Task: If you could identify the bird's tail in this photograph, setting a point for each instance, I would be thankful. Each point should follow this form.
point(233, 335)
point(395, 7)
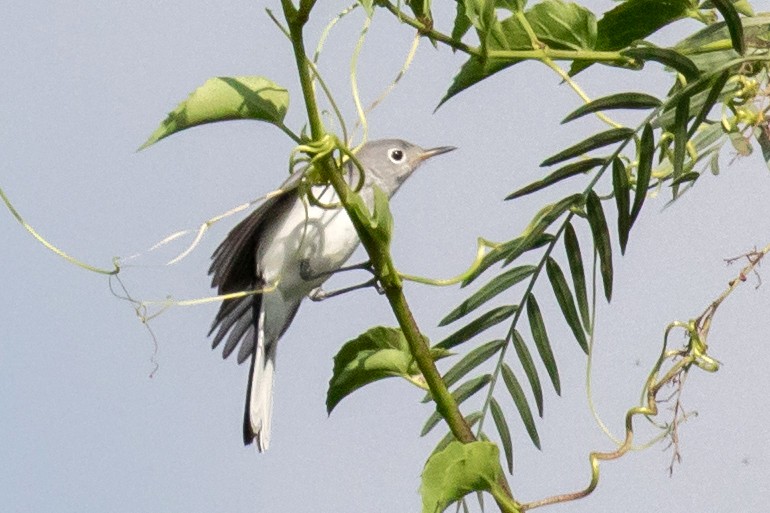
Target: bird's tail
point(259, 394)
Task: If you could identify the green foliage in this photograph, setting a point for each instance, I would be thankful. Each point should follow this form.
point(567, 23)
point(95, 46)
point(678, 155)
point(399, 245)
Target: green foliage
point(226, 98)
point(718, 94)
point(457, 470)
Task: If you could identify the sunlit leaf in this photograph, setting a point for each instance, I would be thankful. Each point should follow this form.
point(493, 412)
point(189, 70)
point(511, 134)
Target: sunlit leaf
point(634, 101)
point(502, 429)
point(540, 336)
point(482, 323)
point(525, 358)
point(379, 353)
point(226, 98)
point(495, 286)
point(622, 191)
point(576, 168)
point(517, 394)
point(601, 235)
point(566, 303)
point(634, 20)
point(595, 141)
point(459, 469)
point(462, 393)
point(575, 259)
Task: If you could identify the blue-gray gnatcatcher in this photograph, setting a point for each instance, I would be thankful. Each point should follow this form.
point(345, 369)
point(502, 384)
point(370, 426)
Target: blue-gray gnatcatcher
point(289, 247)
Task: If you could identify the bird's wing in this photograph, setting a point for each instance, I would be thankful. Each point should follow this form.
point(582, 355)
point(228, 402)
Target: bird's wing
point(234, 269)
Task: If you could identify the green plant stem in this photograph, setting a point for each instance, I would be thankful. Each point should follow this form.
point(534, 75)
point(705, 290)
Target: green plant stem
point(378, 252)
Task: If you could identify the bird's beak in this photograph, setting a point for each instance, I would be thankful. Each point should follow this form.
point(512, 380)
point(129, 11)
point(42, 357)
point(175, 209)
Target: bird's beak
point(426, 154)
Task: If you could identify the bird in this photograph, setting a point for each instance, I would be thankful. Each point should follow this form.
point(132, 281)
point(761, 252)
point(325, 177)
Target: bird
point(282, 252)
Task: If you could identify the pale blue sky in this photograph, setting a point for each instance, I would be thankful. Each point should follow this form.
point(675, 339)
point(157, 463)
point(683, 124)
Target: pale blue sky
point(84, 429)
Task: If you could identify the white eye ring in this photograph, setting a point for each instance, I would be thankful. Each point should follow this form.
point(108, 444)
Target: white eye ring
point(396, 155)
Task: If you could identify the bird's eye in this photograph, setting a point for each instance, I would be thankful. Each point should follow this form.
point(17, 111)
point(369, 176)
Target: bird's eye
point(396, 156)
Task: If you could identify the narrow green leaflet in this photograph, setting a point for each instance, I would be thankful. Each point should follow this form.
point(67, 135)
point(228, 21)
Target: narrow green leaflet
point(379, 353)
point(709, 102)
point(755, 35)
point(528, 364)
point(539, 223)
point(566, 303)
point(667, 57)
point(575, 259)
point(517, 247)
point(225, 98)
point(733, 21)
point(537, 326)
point(595, 141)
point(680, 139)
point(459, 469)
point(462, 393)
point(636, 101)
point(484, 322)
point(495, 286)
point(644, 171)
point(622, 190)
point(502, 429)
point(763, 138)
point(574, 169)
point(601, 235)
point(517, 394)
point(472, 360)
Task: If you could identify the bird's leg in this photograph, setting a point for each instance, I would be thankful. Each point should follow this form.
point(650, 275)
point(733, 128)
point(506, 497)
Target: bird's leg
point(307, 274)
point(319, 294)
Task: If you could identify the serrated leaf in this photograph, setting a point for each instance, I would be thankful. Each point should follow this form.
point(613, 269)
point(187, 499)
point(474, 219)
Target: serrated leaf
point(635, 101)
point(644, 171)
point(601, 235)
point(525, 358)
point(517, 394)
point(459, 469)
point(378, 353)
point(502, 429)
point(472, 360)
point(622, 191)
point(733, 21)
point(576, 168)
point(382, 219)
point(462, 22)
point(595, 141)
point(494, 287)
point(462, 393)
point(482, 323)
point(667, 57)
point(540, 336)
point(226, 98)
point(577, 271)
point(563, 25)
point(566, 303)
